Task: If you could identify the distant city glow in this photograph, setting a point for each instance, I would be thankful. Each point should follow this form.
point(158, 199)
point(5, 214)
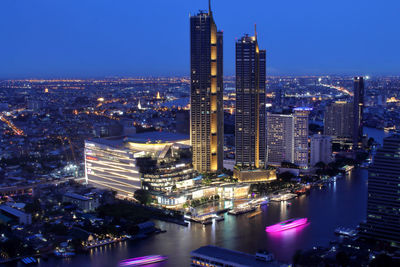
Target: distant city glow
point(341, 89)
point(303, 109)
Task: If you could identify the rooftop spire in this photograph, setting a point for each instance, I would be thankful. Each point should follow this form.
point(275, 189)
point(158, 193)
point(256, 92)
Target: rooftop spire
point(255, 30)
point(209, 7)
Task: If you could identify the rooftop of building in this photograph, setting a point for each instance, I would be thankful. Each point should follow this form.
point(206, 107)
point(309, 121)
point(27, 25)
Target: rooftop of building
point(231, 256)
point(77, 196)
point(157, 137)
point(246, 38)
point(12, 211)
point(145, 138)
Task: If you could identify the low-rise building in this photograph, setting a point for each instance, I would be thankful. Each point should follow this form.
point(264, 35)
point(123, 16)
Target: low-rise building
point(84, 203)
point(233, 191)
point(254, 176)
point(22, 217)
point(224, 191)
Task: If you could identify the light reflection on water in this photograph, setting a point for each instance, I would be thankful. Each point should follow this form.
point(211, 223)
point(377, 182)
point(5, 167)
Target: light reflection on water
point(287, 236)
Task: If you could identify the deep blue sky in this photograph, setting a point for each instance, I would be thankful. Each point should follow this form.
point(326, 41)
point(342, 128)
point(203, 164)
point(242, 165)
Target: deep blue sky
point(93, 38)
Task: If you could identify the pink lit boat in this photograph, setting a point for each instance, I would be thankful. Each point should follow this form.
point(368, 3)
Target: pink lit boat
point(285, 225)
point(142, 260)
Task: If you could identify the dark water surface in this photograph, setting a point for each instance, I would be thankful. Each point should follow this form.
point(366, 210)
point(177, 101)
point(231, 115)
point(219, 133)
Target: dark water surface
point(342, 203)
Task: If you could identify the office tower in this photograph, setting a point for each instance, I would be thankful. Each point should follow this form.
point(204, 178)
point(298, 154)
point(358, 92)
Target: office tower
point(338, 120)
point(383, 208)
point(320, 149)
point(287, 138)
point(358, 106)
point(250, 103)
point(206, 101)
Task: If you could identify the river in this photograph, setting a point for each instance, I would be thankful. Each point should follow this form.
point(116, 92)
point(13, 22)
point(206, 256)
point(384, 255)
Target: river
point(342, 203)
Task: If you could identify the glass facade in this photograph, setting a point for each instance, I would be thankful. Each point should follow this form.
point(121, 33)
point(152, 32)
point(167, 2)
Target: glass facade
point(383, 208)
point(111, 167)
point(128, 164)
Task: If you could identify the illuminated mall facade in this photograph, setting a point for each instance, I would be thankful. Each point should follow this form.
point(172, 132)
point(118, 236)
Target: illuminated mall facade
point(152, 160)
point(157, 161)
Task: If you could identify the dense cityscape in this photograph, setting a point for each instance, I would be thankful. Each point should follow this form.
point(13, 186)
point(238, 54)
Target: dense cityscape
point(201, 170)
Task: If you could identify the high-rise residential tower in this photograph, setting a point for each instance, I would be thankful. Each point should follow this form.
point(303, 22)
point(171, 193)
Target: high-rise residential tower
point(300, 136)
point(338, 120)
point(287, 138)
point(320, 149)
point(206, 97)
point(358, 107)
point(383, 207)
point(250, 139)
point(279, 138)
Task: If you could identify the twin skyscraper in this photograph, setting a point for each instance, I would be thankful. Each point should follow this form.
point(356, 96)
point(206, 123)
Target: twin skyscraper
point(206, 99)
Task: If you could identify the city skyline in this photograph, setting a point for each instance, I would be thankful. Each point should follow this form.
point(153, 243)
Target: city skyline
point(86, 40)
point(213, 170)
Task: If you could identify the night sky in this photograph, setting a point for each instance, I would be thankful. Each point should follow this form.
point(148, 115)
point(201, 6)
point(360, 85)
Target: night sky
point(96, 38)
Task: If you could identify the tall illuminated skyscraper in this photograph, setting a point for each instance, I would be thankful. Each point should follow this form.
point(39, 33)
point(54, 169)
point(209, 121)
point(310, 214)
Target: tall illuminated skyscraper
point(358, 110)
point(250, 103)
point(206, 97)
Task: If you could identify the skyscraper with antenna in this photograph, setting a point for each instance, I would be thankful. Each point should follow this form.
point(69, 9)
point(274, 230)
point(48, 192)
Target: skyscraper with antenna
point(206, 92)
point(250, 103)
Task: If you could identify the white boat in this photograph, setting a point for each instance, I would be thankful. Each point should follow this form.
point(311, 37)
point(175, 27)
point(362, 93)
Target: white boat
point(241, 210)
point(283, 197)
point(346, 232)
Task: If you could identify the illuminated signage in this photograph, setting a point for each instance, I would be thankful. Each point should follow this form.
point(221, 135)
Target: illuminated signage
point(91, 158)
